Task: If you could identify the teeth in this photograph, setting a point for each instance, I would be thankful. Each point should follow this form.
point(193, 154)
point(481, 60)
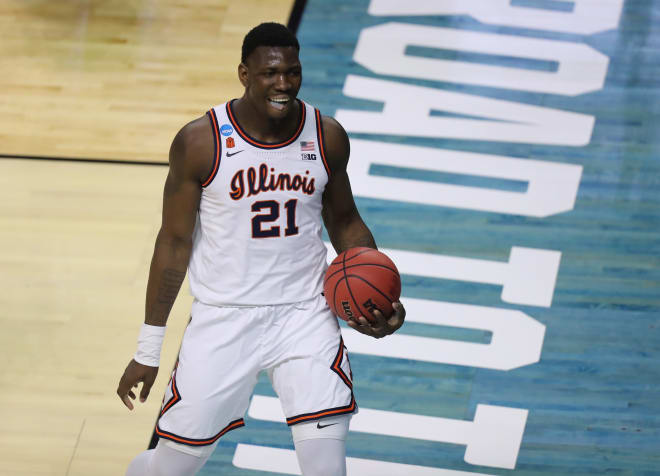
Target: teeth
point(279, 100)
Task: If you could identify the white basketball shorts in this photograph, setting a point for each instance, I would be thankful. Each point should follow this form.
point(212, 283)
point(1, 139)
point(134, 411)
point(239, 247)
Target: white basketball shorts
point(225, 348)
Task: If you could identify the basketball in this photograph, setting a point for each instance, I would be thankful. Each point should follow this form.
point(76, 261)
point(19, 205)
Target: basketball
point(359, 281)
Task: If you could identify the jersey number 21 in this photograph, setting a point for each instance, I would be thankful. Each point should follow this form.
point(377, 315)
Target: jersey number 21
point(271, 212)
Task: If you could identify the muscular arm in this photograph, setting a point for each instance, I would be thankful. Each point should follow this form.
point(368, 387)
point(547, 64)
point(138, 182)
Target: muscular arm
point(190, 159)
point(191, 156)
point(340, 215)
point(345, 226)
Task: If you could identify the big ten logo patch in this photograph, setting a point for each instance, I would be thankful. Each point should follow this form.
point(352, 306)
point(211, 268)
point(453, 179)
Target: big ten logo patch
point(308, 156)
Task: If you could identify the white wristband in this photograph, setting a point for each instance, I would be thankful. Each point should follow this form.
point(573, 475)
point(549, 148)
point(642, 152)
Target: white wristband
point(150, 342)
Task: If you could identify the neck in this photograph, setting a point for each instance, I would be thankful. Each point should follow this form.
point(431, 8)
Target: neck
point(262, 127)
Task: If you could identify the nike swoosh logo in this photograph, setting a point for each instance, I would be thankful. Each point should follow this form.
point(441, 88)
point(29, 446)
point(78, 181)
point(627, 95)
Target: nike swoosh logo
point(229, 154)
point(319, 426)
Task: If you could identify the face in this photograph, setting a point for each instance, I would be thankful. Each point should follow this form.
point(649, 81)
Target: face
point(272, 76)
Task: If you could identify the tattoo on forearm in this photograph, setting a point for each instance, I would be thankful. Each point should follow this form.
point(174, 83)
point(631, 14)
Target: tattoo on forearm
point(170, 282)
point(169, 285)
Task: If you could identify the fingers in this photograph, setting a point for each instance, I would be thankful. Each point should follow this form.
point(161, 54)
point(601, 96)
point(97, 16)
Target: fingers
point(127, 395)
point(124, 396)
point(123, 390)
point(396, 319)
point(146, 387)
point(362, 329)
point(363, 326)
point(378, 319)
point(133, 375)
point(372, 329)
point(380, 326)
point(127, 402)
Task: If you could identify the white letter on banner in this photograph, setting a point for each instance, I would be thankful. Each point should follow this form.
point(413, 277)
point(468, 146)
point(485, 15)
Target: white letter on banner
point(264, 458)
point(492, 439)
point(551, 187)
point(586, 17)
point(381, 49)
point(517, 339)
point(528, 278)
point(407, 109)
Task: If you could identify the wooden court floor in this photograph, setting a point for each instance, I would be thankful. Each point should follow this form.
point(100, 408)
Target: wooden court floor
point(103, 80)
point(115, 80)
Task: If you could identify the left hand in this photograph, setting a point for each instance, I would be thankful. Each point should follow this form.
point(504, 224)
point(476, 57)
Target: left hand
point(380, 326)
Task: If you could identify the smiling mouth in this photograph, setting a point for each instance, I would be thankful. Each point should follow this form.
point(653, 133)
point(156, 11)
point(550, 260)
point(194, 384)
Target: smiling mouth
point(279, 103)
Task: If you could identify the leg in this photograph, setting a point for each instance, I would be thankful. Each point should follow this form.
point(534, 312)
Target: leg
point(210, 388)
point(321, 446)
point(313, 379)
point(322, 457)
point(164, 460)
point(310, 372)
point(140, 464)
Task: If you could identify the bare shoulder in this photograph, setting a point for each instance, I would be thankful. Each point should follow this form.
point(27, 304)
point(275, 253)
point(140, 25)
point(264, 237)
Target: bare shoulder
point(337, 145)
point(191, 152)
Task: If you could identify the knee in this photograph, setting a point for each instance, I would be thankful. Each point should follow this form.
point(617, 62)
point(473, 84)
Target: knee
point(167, 461)
point(322, 457)
point(140, 464)
point(328, 468)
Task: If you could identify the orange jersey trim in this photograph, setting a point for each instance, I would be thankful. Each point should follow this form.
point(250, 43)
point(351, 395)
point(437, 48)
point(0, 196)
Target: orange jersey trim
point(319, 135)
point(350, 408)
point(176, 397)
point(337, 362)
point(201, 442)
point(264, 145)
point(216, 149)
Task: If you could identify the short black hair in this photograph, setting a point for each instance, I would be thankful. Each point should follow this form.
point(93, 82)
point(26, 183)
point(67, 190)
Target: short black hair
point(267, 34)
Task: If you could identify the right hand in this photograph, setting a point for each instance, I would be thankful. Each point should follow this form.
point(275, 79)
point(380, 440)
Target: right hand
point(134, 374)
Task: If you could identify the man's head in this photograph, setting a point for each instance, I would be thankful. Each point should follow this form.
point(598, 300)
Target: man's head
point(270, 69)
point(267, 34)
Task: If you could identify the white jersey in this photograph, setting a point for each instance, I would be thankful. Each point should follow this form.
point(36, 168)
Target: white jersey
point(257, 240)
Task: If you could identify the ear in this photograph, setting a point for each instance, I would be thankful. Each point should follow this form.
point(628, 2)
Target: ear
point(243, 74)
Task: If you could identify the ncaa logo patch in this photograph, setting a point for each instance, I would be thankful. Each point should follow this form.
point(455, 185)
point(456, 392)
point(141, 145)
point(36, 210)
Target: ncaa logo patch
point(226, 130)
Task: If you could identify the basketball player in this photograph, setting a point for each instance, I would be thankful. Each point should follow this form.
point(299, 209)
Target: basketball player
point(247, 188)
